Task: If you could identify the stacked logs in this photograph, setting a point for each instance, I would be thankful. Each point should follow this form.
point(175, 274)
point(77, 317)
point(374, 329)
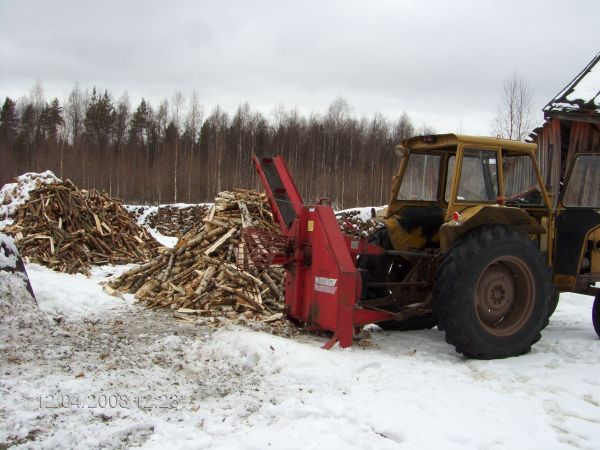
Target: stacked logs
point(69, 230)
point(175, 221)
point(351, 223)
point(207, 277)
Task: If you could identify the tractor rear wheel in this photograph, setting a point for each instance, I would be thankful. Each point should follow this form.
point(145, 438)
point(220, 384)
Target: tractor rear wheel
point(552, 307)
point(596, 314)
point(493, 293)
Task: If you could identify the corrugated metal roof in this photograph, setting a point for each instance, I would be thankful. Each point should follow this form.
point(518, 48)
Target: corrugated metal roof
point(582, 95)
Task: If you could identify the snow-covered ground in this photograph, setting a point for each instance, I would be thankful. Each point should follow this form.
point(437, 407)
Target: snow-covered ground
point(94, 371)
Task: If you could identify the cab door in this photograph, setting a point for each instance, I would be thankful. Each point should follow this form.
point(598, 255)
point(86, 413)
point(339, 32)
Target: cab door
point(577, 243)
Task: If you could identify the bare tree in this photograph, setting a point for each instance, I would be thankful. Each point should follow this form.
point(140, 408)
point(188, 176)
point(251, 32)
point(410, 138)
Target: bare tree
point(36, 97)
point(514, 118)
point(162, 119)
point(75, 113)
point(122, 119)
point(425, 130)
point(403, 128)
point(176, 113)
point(193, 124)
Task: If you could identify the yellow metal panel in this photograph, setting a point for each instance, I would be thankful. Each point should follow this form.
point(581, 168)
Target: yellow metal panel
point(483, 215)
point(402, 239)
point(564, 282)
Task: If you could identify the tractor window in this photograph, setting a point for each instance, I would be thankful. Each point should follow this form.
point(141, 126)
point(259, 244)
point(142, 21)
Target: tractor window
point(479, 176)
point(420, 182)
point(583, 186)
point(449, 175)
point(521, 187)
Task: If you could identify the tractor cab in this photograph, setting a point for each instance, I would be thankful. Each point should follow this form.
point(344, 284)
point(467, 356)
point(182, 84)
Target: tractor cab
point(449, 184)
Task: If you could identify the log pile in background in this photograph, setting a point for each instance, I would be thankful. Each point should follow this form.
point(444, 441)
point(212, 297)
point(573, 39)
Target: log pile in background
point(69, 230)
point(13, 195)
point(175, 221)
point(206, 278)
point(351, 223)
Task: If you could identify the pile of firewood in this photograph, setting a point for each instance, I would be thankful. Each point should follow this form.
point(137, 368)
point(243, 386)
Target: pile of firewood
point(208, 277)
point(174, 221)
point(13, 195)
point(351, 223)
point(69, 230)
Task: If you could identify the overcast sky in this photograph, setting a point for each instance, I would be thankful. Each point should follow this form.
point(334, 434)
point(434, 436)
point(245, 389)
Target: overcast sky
point(443, 62)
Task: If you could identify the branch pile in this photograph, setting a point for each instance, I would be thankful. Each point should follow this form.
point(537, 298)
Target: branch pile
point(207, 276)
point(174, 221)
point(69, 230)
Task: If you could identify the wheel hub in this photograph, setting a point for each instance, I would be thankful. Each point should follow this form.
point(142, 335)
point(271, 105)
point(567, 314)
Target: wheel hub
point(496, 292)
point(504, 296)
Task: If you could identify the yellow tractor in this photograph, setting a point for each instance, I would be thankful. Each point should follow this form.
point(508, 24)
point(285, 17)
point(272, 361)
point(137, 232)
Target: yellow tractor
point(475, 246)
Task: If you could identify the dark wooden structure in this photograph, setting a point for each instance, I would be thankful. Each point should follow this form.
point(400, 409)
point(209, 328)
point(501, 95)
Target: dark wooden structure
point(572, 125)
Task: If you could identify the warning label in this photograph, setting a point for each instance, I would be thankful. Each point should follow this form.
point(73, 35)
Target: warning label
point(326, 285)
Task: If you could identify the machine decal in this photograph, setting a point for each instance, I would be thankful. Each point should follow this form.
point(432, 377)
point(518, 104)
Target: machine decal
point(326, 285)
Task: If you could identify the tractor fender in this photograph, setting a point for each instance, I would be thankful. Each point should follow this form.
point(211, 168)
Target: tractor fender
point(477, 216)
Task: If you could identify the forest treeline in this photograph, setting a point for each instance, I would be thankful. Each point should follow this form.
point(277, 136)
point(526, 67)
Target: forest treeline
point(175, 153)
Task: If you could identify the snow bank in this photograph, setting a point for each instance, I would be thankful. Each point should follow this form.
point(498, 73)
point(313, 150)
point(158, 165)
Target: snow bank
point(19, 312)
point(13, 195)
point(8, 252)
point(74, 295)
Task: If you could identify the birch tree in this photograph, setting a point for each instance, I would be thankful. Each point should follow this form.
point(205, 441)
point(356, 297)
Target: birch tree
point(514, 118)
point(176, 112)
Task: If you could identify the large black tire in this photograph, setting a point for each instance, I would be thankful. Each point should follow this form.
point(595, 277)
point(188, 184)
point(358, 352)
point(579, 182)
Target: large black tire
point(378, 270)
point(493, 293)
point(552, 307)
point(596, 314)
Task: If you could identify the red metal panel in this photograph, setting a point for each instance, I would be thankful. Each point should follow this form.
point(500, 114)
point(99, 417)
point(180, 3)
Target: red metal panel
point(280, 188)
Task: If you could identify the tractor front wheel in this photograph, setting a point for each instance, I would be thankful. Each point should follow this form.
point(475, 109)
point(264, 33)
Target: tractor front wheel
point(493, 293)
